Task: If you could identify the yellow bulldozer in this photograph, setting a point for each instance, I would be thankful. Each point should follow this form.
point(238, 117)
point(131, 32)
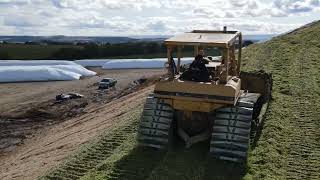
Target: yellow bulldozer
point(212, 101)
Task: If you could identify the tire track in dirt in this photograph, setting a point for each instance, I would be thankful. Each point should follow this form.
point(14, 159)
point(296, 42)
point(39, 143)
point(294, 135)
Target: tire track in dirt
point(41, 153)
point(304, 148)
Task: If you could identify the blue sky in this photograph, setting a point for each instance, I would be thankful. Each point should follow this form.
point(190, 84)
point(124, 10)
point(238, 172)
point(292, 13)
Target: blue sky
point(152, 17)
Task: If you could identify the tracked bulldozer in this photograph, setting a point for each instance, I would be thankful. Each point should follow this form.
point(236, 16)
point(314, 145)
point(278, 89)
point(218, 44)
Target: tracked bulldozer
point(224, 108)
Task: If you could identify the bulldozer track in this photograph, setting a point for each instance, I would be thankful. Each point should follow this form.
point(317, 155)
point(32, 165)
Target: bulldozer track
point(156, 124)
point(89, 158)
point(231, 131)
point(304, 148)
point(232, 128)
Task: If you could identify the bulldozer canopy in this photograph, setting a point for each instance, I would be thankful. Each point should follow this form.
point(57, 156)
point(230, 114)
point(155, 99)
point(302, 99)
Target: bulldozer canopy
point(204, 38)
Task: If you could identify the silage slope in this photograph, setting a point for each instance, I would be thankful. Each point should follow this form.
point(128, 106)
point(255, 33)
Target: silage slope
point(289, 146)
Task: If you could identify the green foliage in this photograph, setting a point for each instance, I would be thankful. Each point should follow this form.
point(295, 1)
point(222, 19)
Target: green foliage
point(88, 51)
point(91, 51)
point(4, 55)
point(27, 52)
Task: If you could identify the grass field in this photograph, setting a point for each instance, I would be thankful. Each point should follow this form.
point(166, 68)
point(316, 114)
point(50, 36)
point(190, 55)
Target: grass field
point(288, 148)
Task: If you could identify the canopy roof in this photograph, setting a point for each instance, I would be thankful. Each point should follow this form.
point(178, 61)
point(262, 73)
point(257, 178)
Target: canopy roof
point(204, 38)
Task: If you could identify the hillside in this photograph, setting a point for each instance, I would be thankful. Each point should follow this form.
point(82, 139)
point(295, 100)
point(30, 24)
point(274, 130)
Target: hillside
point(289, 147)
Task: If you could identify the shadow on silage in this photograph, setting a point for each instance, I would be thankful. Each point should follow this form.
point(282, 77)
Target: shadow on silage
point(137, 165)
point(217, 169)
point(177, 163)
point(256, 131)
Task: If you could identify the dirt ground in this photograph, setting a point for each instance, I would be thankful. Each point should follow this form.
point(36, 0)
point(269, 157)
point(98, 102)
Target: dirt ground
point(37, 133)
point(17, 95)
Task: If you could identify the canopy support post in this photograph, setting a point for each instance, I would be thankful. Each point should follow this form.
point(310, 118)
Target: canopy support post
point(170, 69)
point(179, 58)
point(239, 54)
point(196, 50)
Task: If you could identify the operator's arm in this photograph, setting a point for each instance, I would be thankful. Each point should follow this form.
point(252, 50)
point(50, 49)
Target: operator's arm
point(206, 60)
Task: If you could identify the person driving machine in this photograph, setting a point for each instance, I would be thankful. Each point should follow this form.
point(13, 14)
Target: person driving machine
point(198, 71)
point(201, 58)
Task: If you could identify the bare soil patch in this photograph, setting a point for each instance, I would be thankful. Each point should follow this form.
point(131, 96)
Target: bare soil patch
point(29, 110)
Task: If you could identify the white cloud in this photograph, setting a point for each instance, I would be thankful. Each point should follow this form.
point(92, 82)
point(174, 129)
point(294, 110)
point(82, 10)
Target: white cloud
point(252, 8)
point(138, 17)
point(13, 2)
point(296, 6)
point(158, 26)
point(25, 20)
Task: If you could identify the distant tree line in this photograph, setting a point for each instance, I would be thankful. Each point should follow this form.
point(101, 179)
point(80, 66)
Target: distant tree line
point(110, 50)
point(247, 43)
point(96, 51)
point(4, 56)
point(140, 49)
point(136, 49)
